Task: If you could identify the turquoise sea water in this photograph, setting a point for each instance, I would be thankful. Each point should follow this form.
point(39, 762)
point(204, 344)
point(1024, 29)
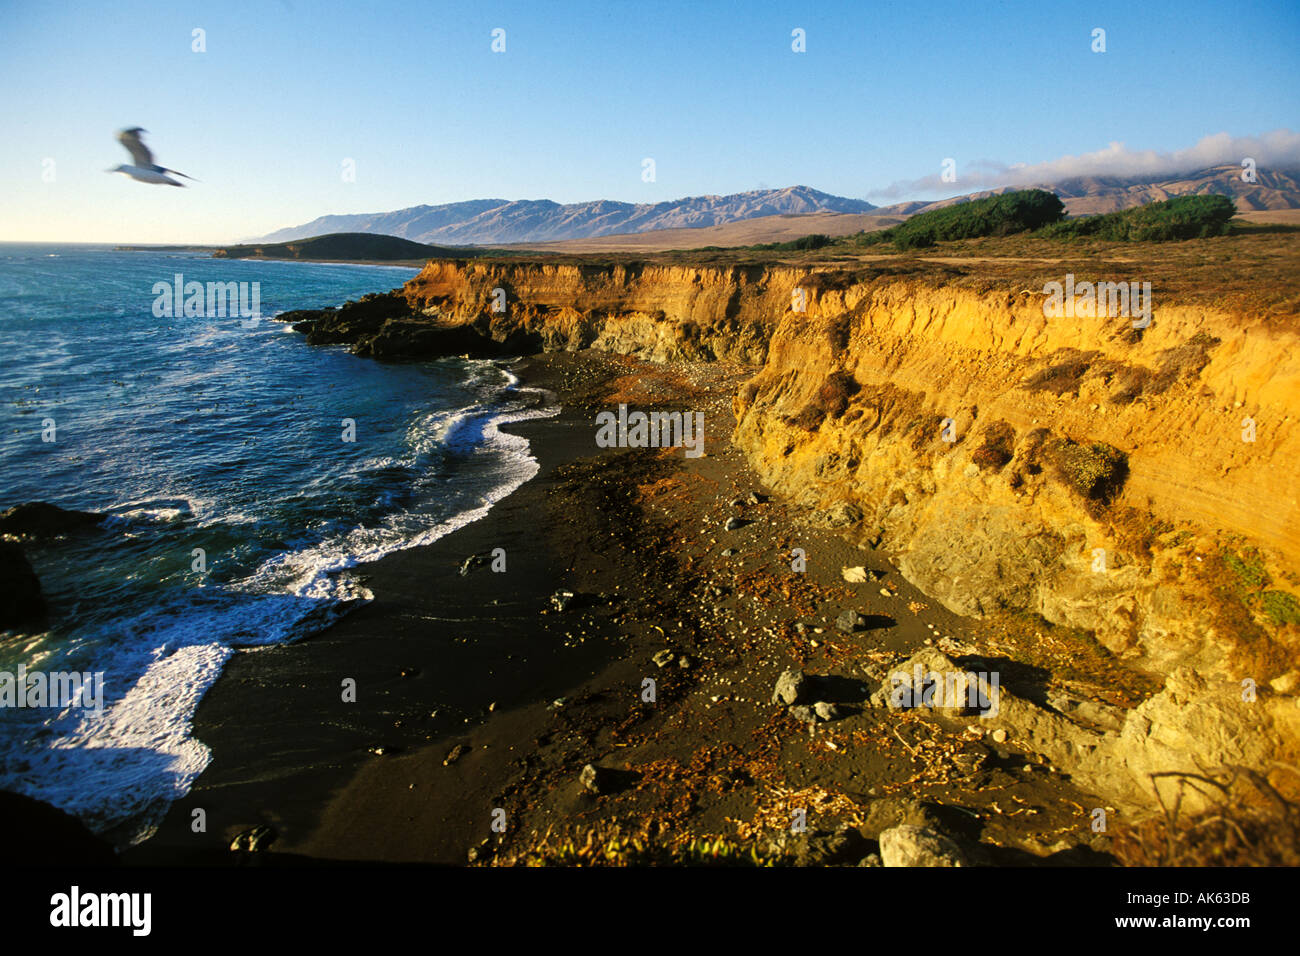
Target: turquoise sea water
point(202, 433)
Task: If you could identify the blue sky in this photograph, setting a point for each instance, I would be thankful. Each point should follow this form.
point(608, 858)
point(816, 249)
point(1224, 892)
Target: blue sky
point(412, 92)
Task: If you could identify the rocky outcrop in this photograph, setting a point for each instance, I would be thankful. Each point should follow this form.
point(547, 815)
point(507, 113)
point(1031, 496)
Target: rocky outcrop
point(21, 602)
point(1140, 487)
point(22, 605)
point(41, 835)
point(1178, 749)
point(36, 520)
point(1077, 468)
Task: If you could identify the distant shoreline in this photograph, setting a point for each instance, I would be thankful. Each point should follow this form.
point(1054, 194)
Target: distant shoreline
point(166, 248)
point(351, 261)
point(393, 263)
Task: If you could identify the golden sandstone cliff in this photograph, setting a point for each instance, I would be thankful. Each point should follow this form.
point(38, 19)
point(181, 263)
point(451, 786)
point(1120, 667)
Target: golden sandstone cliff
point(1138, 483)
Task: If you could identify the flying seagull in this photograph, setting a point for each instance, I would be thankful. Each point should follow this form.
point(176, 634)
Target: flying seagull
point(145, 170)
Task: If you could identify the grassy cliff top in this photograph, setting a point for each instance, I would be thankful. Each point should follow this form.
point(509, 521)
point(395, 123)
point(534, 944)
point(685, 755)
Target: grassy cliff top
point(1256, 268)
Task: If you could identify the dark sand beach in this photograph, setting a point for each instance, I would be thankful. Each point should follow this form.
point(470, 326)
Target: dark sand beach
point(474, 695)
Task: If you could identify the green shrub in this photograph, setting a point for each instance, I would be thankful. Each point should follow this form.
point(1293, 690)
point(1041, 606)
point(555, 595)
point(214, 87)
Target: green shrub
point(994, 216)
point(1249, 570)
point(1096, 471)
point(1184, 217)
point(815, 241)
point(1281, 607)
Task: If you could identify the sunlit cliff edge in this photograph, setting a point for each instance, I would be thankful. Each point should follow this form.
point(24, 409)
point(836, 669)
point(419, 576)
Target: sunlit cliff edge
point(1137, 483)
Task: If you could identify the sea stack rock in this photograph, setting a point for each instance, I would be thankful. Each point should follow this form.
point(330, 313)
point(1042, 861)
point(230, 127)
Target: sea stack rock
point(37, 520)
point(21, 602)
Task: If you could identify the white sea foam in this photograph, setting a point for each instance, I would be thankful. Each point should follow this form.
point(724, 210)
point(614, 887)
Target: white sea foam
point(122, 767)
point(160, 509)
point(119, 770)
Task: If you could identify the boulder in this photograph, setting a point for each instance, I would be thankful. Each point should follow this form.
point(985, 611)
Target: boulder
point(593, 779)
point(37, 520)
point(475, 561)
point(1196, 728)
point(908, 845)
point(21, 602)
point(943, 686)
point(254, 840)
point(820, 847)
point(849, 621)
point(841, 515)
point(831, 849)
point(826, 710)
point(791, 688)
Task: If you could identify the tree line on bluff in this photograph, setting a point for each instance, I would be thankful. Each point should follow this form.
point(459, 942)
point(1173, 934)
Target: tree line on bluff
point(1042, 212)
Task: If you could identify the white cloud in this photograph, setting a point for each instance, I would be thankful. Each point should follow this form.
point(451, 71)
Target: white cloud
point(1279, 149)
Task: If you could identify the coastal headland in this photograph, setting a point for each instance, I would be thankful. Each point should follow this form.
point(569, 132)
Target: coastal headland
point(909, 465)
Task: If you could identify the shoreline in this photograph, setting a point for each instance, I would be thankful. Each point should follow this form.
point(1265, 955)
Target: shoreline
point(474, 696)
point(318, 744)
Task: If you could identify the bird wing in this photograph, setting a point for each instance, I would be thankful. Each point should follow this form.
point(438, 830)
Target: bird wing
point(130, 138)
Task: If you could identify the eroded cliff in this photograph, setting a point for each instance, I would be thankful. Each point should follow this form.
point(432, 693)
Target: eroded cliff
point(1138, 483)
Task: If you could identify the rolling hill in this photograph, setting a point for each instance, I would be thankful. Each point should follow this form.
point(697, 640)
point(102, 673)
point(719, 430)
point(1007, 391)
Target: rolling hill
point(345, 246)
point(1090, 195)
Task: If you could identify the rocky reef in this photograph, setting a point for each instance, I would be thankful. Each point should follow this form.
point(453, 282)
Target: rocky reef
point(1135, 483)
point(22, 604)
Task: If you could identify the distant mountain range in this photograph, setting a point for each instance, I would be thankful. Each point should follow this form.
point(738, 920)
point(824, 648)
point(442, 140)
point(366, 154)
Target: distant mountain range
point(1089, 195)
point(502, 221)
point(498, 221)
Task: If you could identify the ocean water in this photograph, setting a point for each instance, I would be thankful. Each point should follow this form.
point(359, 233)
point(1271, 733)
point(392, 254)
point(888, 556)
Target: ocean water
point(202, 433)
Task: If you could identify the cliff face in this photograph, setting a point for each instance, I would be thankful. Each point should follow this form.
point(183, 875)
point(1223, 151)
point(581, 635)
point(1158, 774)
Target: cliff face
point(1095, 476)
point(1139, 484)
point(655, 312)
point(1007, 513)
point(1090, 472)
